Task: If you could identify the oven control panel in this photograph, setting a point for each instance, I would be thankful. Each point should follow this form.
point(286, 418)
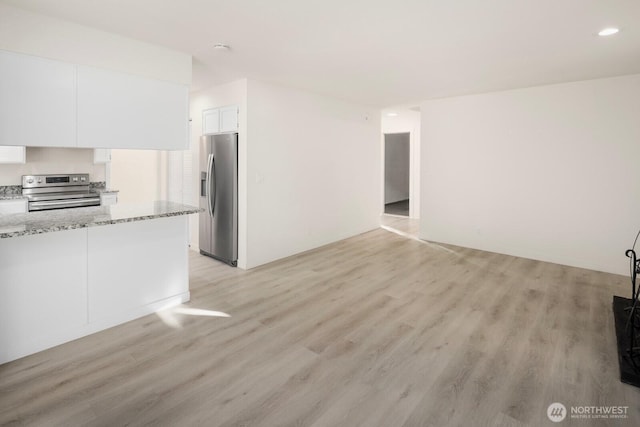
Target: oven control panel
point(35, 181)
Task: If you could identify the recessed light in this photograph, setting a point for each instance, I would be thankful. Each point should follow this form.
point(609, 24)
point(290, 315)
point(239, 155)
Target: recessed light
point(608, 31)
point(221, 46)
point(392, 114)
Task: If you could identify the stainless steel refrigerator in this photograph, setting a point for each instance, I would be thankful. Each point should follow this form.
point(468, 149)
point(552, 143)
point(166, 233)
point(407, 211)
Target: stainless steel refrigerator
point(219, 197)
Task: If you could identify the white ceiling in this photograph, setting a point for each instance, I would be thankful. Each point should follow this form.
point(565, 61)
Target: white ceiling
point(379, 53)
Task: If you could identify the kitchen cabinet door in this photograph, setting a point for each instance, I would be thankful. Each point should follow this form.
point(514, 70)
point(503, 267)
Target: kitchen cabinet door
point(43, 291)
point(229, 119)
point(152, 255)
point(9, 154)
point(108, 199)
point(13, 206)
point(220, 120)
point(37, 101)
point(211, 121)
point(101, 155)
point(118, 110)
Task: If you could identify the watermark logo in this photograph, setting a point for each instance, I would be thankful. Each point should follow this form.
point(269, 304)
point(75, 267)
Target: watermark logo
point(556, 412)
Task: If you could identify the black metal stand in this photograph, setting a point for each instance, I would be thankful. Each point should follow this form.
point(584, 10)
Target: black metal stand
point(633, 321)
point(627, 319)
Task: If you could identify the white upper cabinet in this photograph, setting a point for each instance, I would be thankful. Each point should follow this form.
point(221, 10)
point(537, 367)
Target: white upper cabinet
point(45, 103)
point(229, 119)
point(101, 155)
point(117, 110)
point(220, 120)
point(211, 121)
point(10, 154)
point(37, 101)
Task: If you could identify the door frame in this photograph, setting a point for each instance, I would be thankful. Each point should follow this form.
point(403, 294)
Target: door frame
point(384, 169)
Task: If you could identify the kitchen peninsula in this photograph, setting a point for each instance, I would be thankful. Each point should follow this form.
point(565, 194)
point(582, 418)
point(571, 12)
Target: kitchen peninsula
point(68, 273)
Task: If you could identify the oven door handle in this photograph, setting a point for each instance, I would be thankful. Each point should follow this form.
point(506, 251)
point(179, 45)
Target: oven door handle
point(69, 202)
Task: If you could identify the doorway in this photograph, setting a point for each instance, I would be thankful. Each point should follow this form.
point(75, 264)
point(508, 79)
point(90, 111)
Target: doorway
point(397, 173)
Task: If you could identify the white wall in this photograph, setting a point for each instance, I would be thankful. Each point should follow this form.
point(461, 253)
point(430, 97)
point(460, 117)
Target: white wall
point(406, 120)
point(313, 171)
point(396, 167)
point(234, 93)
point(149, 175)
point(137, 175)
point(44, 160)
point(549, 173)
point(309, 168)
point(35, 34)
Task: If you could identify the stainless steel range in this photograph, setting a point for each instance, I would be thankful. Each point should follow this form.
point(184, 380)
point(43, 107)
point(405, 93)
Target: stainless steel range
point(58, 191)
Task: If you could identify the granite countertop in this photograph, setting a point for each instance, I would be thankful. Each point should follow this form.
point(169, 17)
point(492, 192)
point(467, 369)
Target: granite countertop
point(20, 196)
point(11, 196)
point(23, 224)
point(14, 192)
point(11, 192)
point(103, 190)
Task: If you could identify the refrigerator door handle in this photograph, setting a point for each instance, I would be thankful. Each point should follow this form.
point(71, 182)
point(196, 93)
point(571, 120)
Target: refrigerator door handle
point(209, 166)
point(213, 188)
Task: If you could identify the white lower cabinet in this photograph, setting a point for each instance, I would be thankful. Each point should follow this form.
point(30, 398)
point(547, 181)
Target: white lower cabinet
point(108, 199)
point(13, 206)
point(135, 265)
point(43, 291)
point(59, 286)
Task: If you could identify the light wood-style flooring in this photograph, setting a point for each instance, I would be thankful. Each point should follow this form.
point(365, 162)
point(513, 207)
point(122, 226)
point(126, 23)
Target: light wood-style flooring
point(376, 330)
point(408, 227)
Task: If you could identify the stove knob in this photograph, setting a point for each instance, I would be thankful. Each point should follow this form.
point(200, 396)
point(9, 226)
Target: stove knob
point(39, 180)
point(83, 179)
point(30, 181)
point(75, 179)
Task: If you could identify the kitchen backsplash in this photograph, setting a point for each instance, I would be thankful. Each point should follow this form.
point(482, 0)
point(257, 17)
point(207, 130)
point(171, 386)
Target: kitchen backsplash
point(100, 185)
point(11, 190)
point(42, 160)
